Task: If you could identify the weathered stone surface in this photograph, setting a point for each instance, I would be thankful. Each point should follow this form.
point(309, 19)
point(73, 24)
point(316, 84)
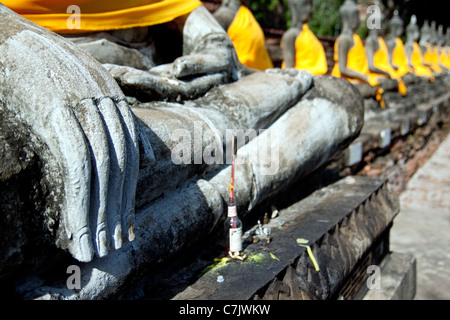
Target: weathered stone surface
point(63, 113)
point(83, 144)
point(202, 128)
point(340, 221)
point(182, 216)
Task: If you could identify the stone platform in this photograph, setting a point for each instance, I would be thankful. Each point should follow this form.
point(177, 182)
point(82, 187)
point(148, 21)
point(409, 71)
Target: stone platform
point(403, 116)
point(347, 224)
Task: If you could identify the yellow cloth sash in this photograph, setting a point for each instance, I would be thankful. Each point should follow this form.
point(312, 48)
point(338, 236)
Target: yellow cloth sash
point(381, 61)
point(309, 53)
point(431, 57)
point(399, 58)
point(248, 39)
point(100, 15)
point(417, 63)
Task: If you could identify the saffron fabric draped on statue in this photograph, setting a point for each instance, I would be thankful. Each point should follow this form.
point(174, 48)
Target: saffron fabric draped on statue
point(356, 60)
point(381, 61)
point(101, 15)
point(249, 41)
point(431, 57)
point(309, 53)
point(417, 63)
point(444, 57)
point(399, 58)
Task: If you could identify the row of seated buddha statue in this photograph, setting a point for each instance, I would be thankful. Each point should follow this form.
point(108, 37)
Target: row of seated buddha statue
point(379, 64)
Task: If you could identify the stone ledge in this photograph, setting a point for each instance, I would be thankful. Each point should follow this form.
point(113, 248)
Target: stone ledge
point(341, 222)
point(382, 128)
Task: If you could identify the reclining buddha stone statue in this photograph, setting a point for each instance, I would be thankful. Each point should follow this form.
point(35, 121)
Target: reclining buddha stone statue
point(107, 185)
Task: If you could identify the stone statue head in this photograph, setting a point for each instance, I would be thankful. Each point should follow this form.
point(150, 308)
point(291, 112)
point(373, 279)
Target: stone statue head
point(440, 36)
point(232, 4)
point(412, 30)
point(301, 11)
point(349, 13)
point(396, 25)
point(447, 37)
point(425, 33)
point(433, 33)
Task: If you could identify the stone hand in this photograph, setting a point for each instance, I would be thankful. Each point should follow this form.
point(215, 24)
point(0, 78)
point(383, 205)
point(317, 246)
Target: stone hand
point(207, 48)
point(80, 126)
point(209, 59)
point(151, 85)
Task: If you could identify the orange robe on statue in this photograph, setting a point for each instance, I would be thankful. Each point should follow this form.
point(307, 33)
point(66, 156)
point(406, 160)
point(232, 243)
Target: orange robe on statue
point(444, 56)
point(431, 57)
point(381, 61)
point(357, 61)
point(399, 58)
point(417, 63)
point(95, 15)
point(249, 41)
point(309, 53)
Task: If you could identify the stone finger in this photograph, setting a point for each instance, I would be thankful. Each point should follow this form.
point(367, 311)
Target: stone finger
point(67, 138)
point(132, 169)
point(94, 129)
point(118, 162)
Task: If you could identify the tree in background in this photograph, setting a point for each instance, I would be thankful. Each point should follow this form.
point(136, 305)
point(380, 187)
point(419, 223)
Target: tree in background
point(270, 13)
point(326, 20)
point(275, 14)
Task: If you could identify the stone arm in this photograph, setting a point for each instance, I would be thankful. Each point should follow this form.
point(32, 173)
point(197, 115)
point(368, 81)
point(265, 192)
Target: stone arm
point(207, 49)
point(371, 47)
point(442, 65)
point(209, 59)
point(344, 46)
point(409, 51)
point(81, 128)
point(391, 43)
point(288, 46)
point(423, 48)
